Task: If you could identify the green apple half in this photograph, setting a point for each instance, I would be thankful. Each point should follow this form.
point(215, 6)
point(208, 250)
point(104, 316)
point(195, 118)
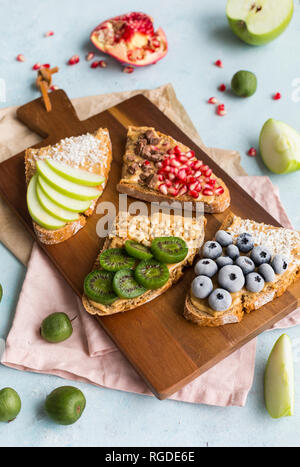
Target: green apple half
point(280, 147)
point(66, 187)
point(258, 22)
point(82, 177)
point(53, 209)
point(279, 379)
point(37, 212)
point(74, 205)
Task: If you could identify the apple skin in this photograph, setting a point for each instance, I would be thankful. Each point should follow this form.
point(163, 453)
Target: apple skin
point(279, 379)
point(289, 162)
point(239, 27)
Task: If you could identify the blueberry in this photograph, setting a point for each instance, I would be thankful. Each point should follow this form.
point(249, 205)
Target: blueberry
point(231, 278)
point(280, 263)
point(212, 250)
point(224, 238)
point(267, 272)
point(220, 300)
point(245, 242)
point(246, 264)
point(233, 252)
point(206, 267)
point(224, 261)
point(202, 286)
point(254, 282)
point(260, 255)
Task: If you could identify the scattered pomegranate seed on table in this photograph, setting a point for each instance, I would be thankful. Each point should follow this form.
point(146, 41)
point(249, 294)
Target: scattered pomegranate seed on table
point(212, 100)
point(128, 69)
point(73, 60)
point(36, 66)
point(102, 64)
point(89, 56)
point(219, 63)
point(252, 152)
point(277, 96)
point(221, 110)
point(95, 64)
point(46, 65)
point(49, 33)
point(20, 58)
point(54, 87)
point(222, 87)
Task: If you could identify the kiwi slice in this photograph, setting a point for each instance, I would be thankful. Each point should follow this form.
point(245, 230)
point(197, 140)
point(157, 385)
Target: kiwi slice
point(137, 250)
point(98, 287)
point(125, 285)
point(151, 274)
point(115, 259)
point(169, 249)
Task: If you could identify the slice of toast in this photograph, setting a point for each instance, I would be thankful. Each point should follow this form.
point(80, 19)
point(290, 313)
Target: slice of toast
point(156, 167)
point(144, 229)
point(91, 152)
point(278, 241)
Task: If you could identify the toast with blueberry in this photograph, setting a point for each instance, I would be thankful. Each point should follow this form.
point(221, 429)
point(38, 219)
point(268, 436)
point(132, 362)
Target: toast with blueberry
point(64, 182)
point(247, 265)
point(158, 168)
point(141, 258)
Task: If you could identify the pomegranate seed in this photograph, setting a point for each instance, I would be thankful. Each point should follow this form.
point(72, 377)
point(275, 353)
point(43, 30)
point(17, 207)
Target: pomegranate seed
point(222, 87)
point(203, 168)
point(221, 110)
point(89, 56)
point(54, 87)
point(191, 186)
point(182, 175)
point(49, 33)
point(207, 192)
point(102, 64)
point(183, 159)
point(194, 194)
point(190, 179)
point(198, 187)
point(171, 176)
point(197, 165)
point(36, 66)
point(158, 165)
point(168, 183)
point(95, 64)
point(175, 163)
point(166, 161)
point(147, 163)
point(167, 168)
point(182, 191)
point(208, 173)
point(172, 191)
point(211, 182)
point(128, 69)
point(252, 152)
point(190, 154)
point(163, 188)
point(197, 174)
point(160, 178)
point(219, 63)
point(156, 43)
point(73, 60)
point(212, 100)
point(219, 190)
point(20, 58)
point(277, 96)
point(177, 150)
point(46, 65)
point(178, 185)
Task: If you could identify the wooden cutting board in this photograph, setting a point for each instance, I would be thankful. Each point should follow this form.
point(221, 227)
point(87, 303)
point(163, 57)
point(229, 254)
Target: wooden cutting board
point(165, 349)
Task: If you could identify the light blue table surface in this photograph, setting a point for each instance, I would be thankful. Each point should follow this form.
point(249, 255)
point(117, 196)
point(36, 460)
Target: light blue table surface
point(198, 35)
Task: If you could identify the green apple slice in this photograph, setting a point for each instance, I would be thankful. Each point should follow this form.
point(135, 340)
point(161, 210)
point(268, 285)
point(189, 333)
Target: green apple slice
point(280, 147)
point(71, 189)
point(258, 22)
point(76, 175)
point(279, 379)
point(37, 212)
point(74, 205)
point(53, 209)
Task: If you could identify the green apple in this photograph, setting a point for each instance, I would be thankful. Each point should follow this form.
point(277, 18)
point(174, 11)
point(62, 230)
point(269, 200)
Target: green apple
point(279, 379)
point(53, 209)
point(37, 212)
point(76, 175)
point(71, 189)
point(74, 205)
point(258, 22)
point(280, 147)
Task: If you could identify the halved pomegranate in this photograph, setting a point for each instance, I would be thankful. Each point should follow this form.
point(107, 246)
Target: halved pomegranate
point(131, 39)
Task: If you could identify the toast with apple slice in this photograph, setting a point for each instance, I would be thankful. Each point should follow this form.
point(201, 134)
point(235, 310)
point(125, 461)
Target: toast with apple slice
point(141, 232)
point(156, 167)
point(270, 264)
point(63, 183)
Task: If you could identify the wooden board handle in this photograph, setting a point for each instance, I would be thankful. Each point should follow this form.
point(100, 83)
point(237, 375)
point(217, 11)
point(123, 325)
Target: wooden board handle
point(61, 119)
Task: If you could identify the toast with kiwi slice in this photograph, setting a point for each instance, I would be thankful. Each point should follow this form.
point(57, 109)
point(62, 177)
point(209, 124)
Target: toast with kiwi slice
point(142, 257)
point(60, 216)
point(267, 263)
point(156, 167)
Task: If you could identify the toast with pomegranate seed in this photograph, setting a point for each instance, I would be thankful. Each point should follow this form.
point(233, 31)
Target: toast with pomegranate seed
point(156, 167)
point(143, 230)
point(279, 248)
point(91, 153)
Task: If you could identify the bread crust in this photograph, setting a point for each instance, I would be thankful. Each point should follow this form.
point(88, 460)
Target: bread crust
point(249, 301)
point(52, 237)
point(212, 204)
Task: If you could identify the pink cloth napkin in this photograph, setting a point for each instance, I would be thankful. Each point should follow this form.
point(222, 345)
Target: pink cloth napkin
point(90, 356)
